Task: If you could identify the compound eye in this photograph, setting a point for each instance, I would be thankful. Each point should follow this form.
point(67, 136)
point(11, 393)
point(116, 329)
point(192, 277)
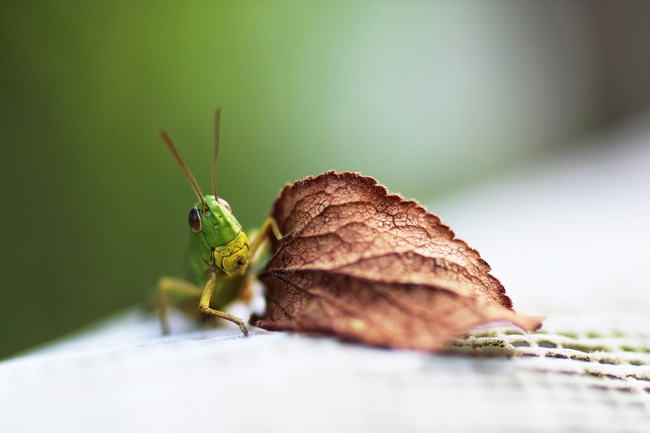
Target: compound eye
point(225, 204)
point(195, 220)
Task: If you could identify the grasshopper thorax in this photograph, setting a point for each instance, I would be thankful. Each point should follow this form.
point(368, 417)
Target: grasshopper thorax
point(218, 236)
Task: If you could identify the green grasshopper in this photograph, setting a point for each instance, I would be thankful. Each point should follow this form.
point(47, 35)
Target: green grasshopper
point(219, 249)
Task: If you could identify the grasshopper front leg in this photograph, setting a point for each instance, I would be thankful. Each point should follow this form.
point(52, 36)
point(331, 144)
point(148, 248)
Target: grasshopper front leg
point(257, 240)
point(168, 285)
point(204, 306)
point(269, 226)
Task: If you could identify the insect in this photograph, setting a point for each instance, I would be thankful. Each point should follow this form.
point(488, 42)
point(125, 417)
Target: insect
point(220, 252)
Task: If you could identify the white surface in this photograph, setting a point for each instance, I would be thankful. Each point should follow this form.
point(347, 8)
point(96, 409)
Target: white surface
point(568, 239)
point(217, 380)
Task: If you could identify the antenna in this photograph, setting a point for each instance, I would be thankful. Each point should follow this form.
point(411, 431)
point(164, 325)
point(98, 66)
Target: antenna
point(181, 164)
point(217, 119)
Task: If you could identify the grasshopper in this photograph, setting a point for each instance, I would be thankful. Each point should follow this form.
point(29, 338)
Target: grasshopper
point(220, 251)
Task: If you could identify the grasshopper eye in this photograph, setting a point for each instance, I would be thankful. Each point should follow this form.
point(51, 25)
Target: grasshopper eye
point(225, 204)
point(195, 220)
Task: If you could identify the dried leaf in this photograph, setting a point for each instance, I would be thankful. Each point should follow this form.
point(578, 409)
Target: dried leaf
point(370, 266)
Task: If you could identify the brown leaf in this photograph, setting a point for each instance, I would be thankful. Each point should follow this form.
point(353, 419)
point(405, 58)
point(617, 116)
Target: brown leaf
point(370, 266)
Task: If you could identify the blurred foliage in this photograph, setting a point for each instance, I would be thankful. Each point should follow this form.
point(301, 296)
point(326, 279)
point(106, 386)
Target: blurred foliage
point(425, 97)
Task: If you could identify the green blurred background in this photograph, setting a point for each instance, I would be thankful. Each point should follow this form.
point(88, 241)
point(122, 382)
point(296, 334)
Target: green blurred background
point(428, 97)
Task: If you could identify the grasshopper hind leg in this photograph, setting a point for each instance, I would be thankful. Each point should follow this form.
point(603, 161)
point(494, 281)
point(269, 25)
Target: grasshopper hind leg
point(167, 285)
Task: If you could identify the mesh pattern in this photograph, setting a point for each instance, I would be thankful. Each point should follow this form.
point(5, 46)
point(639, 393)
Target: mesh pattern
point(614, 362)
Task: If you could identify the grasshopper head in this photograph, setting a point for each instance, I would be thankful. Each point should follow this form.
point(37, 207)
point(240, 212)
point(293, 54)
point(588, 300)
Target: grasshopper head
point(218, 236)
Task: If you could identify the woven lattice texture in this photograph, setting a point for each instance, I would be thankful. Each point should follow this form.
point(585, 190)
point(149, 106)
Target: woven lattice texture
point(612, 361)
